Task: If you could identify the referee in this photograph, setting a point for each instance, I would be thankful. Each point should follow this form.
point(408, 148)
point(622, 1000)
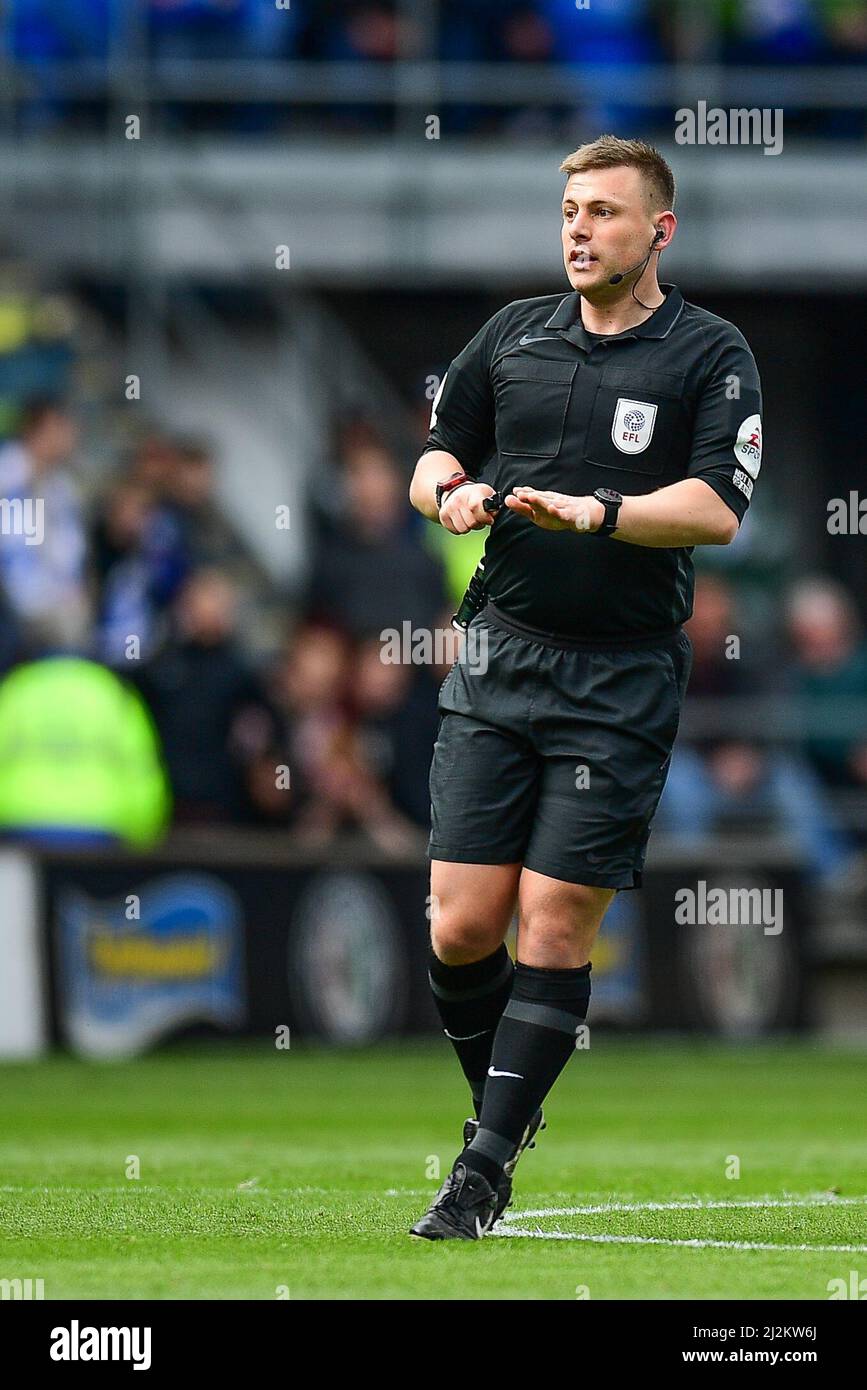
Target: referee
point(620, 427)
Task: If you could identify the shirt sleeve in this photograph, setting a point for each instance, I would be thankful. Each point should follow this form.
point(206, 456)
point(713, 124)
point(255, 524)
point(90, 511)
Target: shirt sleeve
point(727, 435)
point(462, 415)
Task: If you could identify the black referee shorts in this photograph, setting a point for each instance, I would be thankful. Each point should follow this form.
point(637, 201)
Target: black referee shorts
point(554, 758)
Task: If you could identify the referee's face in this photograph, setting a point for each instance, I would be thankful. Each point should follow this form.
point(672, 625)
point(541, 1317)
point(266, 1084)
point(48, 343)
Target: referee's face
point(607, 228)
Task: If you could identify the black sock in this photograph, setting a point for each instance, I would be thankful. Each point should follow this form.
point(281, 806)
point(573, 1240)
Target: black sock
point(533, 1043)
point(470, 1000)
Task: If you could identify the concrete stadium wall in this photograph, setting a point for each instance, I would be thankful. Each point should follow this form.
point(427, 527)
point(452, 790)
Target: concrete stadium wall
point(379, 214)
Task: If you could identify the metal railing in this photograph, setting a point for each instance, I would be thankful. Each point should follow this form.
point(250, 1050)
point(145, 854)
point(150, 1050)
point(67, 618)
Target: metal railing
point(411, 82)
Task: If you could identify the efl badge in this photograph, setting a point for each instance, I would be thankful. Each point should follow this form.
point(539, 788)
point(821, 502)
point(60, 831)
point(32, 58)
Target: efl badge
point(748, 445)
point(632, 430)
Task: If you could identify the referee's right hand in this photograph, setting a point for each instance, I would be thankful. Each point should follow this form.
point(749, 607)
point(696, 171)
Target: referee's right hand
point(463, 508)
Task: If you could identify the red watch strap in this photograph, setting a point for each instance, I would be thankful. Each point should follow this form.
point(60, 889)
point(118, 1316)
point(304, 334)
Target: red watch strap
point(449, 484)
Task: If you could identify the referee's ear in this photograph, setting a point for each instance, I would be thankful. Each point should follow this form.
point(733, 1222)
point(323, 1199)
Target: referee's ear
point(666, 226)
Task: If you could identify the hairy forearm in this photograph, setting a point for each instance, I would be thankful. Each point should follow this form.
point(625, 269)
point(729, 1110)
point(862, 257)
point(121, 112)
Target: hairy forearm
point(430, 469)
point(686, 513)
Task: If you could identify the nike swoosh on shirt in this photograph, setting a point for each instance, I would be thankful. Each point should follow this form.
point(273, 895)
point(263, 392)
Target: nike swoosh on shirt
point(522, 342)
point(517, 1075)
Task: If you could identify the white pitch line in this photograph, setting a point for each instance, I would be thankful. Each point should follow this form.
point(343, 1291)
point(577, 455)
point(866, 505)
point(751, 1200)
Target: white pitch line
point(694, 1204)
point(508, 1228)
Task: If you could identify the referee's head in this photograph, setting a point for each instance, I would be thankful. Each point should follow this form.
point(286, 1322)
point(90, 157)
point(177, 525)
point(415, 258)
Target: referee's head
point(618, 215)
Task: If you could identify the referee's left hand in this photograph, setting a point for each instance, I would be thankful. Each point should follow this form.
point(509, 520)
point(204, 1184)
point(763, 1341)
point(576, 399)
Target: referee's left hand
point(556, 511)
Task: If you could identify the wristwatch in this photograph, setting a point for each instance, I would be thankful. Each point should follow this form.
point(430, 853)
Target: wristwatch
point(449, 484)
point(612, 502)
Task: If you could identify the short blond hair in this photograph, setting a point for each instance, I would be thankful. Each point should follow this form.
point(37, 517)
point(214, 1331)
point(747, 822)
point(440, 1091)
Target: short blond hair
point(610, 152)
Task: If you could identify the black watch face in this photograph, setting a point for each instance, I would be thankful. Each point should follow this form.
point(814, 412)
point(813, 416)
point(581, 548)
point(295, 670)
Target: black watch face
point(607, 494)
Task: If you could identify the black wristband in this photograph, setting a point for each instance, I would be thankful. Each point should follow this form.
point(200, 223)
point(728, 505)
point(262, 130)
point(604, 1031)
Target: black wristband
point(612, 502)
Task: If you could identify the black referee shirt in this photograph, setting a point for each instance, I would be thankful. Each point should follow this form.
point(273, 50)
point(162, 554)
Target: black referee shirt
point(535, 400)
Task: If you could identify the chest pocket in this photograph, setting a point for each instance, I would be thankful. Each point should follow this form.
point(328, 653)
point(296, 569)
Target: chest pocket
point(532, 398)
point(636, 422)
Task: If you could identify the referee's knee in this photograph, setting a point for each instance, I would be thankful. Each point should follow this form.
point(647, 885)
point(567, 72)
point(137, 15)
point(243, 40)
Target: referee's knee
point(471, 909)
point(558, 923)
point(457, 939)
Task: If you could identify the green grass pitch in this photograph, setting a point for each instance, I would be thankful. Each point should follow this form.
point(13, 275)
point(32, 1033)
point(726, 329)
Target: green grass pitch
point(267, 1174)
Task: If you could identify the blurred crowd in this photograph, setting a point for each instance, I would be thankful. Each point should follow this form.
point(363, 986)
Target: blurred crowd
point(603, 34)
point(149, 582)
point(775, 733)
